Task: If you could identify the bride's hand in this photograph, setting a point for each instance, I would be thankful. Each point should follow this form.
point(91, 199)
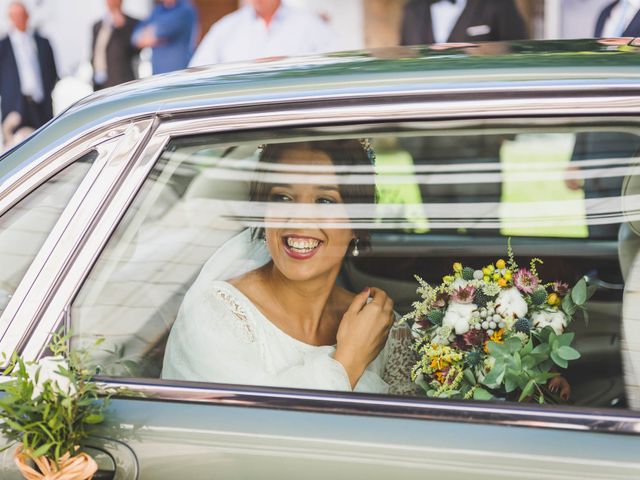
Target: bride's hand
point(363, 331)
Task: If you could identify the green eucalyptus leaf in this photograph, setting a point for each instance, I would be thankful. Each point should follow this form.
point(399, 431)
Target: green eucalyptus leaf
point(481, 394)
point(497, 350)
point(568, 306)
point(566, 338)
point(495, 376)
point(469, 377)
point(513, 344)
point(558, 360)
point(579, 292)
point(526, 391)
point(568, 353)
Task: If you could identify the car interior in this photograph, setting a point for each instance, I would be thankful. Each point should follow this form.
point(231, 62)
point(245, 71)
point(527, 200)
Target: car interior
point(446, 195)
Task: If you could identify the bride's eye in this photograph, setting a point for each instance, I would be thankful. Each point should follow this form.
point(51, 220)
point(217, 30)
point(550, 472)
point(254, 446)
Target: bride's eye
point(326, 200)
point(279, 197)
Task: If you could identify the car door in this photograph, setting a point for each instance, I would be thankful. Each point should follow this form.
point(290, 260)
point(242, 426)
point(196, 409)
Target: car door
point(187, 192)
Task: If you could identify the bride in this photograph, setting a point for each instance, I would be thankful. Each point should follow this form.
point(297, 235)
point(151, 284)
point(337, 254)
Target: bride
point(286, 322)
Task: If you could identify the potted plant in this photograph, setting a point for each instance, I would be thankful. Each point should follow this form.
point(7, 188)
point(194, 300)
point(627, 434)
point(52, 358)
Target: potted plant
point(48, 408)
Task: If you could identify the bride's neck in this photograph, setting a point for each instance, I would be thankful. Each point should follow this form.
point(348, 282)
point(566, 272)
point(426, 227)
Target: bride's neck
point(304, 302)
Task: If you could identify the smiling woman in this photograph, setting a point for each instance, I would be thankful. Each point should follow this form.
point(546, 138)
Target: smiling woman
point(288, 322)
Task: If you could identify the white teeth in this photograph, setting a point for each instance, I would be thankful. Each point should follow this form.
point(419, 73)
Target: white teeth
point(302, 244)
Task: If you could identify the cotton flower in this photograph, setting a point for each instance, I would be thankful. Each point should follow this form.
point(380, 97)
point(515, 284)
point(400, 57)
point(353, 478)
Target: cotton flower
point(554, 319)
point(46, 370)
point(458, 316)
point(511, 303)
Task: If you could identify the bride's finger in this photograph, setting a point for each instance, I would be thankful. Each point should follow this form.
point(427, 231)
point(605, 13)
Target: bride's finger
point(359, 301)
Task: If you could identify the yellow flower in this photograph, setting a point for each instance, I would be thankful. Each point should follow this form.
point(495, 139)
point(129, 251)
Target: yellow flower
point(486, 271)
point(486, 278)
point(501, 264)
point(502, 282)
point(448, 278)
point(553, 299)
point(496, 276)
point(507, 275)
point(457, 267)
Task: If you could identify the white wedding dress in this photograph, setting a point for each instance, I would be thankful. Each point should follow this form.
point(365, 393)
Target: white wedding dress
point(220, 336)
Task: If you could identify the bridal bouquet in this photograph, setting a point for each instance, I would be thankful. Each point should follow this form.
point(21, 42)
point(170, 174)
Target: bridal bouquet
point(47, 408)
point(497, 331)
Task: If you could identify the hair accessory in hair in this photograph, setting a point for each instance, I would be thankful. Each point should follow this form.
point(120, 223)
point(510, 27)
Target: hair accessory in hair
point(368, 148)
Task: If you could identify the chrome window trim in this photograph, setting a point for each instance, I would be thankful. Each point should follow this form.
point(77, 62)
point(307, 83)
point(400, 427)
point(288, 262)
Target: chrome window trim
point(47, 269)
point(347, 403)
point(128, 185)
point(441, 110)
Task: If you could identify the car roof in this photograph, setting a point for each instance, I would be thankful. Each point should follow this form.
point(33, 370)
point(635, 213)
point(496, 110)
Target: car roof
point(466, 68)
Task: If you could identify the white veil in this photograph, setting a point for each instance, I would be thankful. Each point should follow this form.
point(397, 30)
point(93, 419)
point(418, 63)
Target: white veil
point(238, 255)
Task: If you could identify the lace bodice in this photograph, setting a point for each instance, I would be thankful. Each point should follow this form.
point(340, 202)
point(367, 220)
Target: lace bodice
point(220, 336)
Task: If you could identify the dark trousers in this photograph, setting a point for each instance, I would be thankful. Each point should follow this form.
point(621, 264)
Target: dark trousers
point(34, 113)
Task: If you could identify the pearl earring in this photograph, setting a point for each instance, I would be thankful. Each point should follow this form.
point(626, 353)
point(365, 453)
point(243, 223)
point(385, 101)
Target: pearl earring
point(355, 251)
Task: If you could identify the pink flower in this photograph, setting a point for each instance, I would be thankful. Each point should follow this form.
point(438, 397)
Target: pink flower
point(560, 288)
point(474, 338)
point(463, 294)
point(525, 281)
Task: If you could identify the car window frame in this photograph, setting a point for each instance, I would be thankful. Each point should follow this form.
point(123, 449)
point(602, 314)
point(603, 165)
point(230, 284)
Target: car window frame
point(313, 114)
point(16, 321)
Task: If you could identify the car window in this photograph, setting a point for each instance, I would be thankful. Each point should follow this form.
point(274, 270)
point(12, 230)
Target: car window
point(452, 194)
point(25, 227)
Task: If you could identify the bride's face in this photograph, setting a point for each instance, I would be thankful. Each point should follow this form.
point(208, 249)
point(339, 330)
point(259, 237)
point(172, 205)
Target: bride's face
point(301, 220)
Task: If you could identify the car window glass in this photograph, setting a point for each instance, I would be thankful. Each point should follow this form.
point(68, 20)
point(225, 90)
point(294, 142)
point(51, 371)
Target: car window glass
point(25, 226)
point(443, 196)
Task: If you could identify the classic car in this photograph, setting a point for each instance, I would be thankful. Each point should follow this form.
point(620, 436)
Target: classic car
point(111, 210)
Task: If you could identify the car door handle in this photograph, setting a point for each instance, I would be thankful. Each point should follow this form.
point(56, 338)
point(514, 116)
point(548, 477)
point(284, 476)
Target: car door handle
point(592, 279)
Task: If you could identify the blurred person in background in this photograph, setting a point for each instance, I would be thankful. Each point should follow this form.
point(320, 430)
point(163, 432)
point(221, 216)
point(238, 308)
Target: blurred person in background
point(619, 19)
point(27, 76)
point(171, 32)
point(440, 21)
point(263, 28)
point(113, 55)
point(464, 22)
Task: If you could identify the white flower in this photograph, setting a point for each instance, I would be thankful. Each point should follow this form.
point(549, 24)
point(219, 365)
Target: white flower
point(554, 319)
point(458, 316)
point(47, 369)
point(458, 283)
point(511, 303)
point(441, 336)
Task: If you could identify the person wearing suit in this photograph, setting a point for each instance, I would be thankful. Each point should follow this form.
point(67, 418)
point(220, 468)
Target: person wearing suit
point(461, 21)
point(27, 72)
point(619, 19)
point(439, 21)
point(113, 55)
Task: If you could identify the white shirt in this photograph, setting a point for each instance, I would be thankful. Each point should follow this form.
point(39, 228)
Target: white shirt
point(444, 16)
point(620, 18)
point(242, 35)
point(26, 54)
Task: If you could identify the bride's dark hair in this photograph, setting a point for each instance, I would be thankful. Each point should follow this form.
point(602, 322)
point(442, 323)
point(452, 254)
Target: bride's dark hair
point(343, 153)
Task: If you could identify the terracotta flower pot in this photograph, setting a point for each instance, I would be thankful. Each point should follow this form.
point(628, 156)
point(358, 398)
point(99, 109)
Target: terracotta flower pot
point(78, 467)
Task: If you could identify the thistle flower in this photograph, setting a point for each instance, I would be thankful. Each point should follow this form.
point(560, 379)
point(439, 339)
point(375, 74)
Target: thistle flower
point(463, 294)
point(525, 281)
